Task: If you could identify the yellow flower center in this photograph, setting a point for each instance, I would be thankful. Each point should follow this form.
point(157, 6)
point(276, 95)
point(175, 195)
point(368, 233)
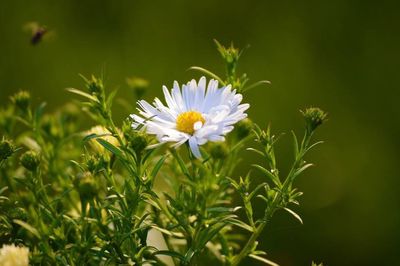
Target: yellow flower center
point(185, 121)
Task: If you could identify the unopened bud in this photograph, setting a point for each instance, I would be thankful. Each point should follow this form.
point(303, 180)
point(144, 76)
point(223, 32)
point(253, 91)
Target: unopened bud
point(136, 139)
point(22, 100)
point(6, 149)
point(219, 150)
point(138, 85)
point(95, 86)
point(229, 54)
point(95, 163)
point(243, 128)
point(314, 117)
point(30, 160)
point(105, 135)
point(87, 186)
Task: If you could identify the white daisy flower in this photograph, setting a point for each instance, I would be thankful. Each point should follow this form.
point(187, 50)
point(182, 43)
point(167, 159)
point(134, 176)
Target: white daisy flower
point(195, 114)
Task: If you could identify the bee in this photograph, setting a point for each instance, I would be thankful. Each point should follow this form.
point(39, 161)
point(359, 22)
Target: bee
point(38, 32)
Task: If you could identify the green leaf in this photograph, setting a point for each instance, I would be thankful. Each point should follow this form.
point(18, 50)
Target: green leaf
point(295, 215)
point(158, 165)
point(256, 151)
point(266, 261)
point(170, 253)
point(152, 203)
point(84, 94)
point(256, 84)
point(167, 232)
point(111, 97)
point(295, 144)
point(300, 170)
point(95, 136)
point(220, 209)
point(208, 73)
point(77, 164)
point(252, 194)
point(180, 162)
point(313, 145)
point(268, 174)
point(107, 145)
point(241, 224)
point(234, 183)
point(28, 227)
point(3, 189)
point(209, 234)
point(39, 112)
point(262, 197)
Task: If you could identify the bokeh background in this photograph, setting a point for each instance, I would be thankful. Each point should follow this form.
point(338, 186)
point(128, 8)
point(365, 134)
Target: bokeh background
point(340, 55)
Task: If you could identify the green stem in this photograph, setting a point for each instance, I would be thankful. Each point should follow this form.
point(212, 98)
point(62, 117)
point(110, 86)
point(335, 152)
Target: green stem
point(253, 238)
point(249, 245)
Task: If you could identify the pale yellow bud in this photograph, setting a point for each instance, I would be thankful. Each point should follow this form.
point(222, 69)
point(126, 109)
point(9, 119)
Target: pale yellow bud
point(100, 130)
point(11, 255)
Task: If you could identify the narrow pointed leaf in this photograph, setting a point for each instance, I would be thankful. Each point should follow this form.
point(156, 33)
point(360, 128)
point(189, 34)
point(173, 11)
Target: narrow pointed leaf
point(295, 215)
point(300, 170)
point(266, 261)
point(268, 174)
point(158, 165)
point(207, 72)
point(107, 145)
point(84, 94)
point(241, 224)
point(295, 144)
point(256, 84)
point(28, 227)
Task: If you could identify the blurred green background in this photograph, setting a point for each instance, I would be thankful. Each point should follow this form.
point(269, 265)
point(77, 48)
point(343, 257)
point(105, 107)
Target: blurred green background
point(342, 56)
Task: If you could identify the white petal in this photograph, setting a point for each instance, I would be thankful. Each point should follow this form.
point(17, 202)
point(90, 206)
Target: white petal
point(194, 147)
point(170, 101)
point(218, 113)
point(199, 97)
point(216, 138)
point(201, 141)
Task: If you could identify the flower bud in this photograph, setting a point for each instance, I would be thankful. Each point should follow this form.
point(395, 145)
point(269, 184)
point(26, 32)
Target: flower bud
point(314, 117)
point(22, 100)
point(11, 255)
point(95, 86)
point(138, 85)
point(6, 149)
point(244, 184)
point(271, 194)
point(50, 126)
point(100, 130)
point(137, 140)
point(30, 160)
point(230, 55)
point(95, 163)
point(87, 186)
point(70, 113)
point(243, 128)
point(219, 150)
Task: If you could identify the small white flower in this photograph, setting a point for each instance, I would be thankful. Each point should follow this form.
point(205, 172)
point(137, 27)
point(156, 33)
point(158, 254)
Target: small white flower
point(195, 114)
point(11, 255)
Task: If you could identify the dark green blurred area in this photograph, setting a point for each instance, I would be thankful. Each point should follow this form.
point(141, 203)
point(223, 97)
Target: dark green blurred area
point(342, 56)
